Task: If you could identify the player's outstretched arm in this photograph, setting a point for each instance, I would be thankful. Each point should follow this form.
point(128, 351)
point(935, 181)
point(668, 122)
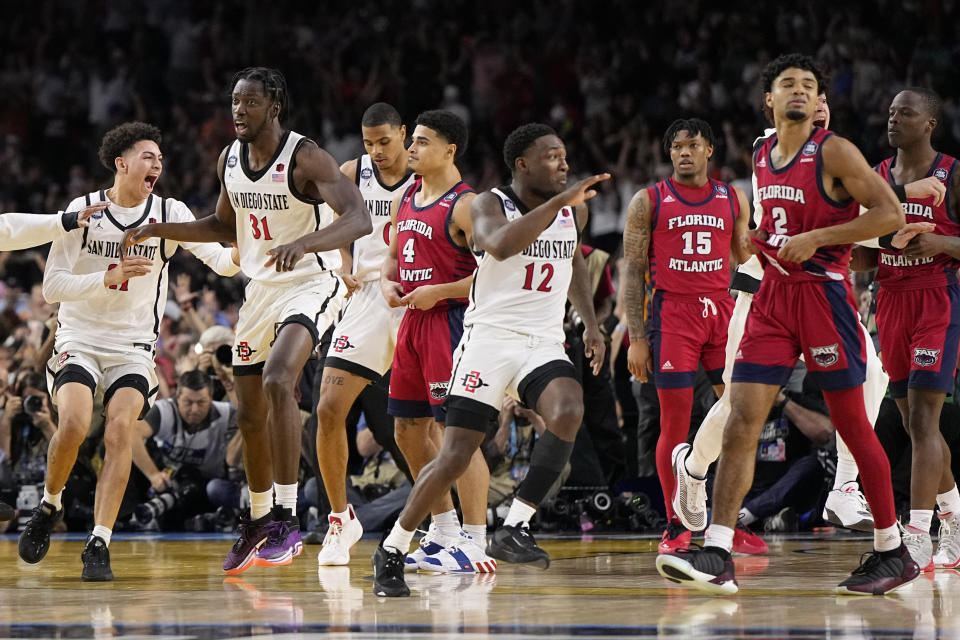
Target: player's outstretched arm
point(927, 245)
point(843, 161)
point(24, 230)
point(636, 247)
point(493, 233)
point(580, 295)
point(343, 196)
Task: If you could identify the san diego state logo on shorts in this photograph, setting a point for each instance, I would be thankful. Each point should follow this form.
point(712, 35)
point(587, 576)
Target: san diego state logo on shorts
point(940, 174)
point(926, 357)
point(438, 390)
point(244, 351)
point(472, 381)
point(62, 359)
point(826, 356)
point(342, 344)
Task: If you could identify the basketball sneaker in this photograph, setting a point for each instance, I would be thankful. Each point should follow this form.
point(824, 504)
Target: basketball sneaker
point(708, 569)
point(35, 537)
point(96, 561)
point(253, 535)
point(747, 542)
point(690, 493)
point(388, 567)
point(431, 543)
point(880, 573)
point(283, 544)
point(846, 507)
point(515, 543)
point(948, 547)
point(674, 537)
point(466, 556)
point(919, 545)
point(6, 512)
point(341, 535)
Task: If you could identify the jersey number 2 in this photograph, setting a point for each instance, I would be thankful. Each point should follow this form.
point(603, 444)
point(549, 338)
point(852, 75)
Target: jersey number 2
point(779, 220)
point(257, 225)
point(546, 270)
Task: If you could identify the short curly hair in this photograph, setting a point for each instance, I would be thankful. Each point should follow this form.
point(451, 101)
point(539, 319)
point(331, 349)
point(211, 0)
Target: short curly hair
point(449, 125)
point(521, 139)
point(692, 126)
point(790, 61)
point(121, 138)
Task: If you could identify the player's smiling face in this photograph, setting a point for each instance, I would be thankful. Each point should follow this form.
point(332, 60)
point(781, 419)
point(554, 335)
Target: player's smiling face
point(251, 109)
point(384, 143)
point(689, 154)
point(140, 167)
point(545, 166)
point(793, 94)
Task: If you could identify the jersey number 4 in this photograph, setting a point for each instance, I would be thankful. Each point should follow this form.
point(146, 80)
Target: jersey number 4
point(259, 227)
point(546, 270)
point(408, 252)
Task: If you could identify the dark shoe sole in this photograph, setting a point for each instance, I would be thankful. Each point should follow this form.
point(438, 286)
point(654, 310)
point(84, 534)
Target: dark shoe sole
point(540, 562)
point(103, 578)
point(34, 560)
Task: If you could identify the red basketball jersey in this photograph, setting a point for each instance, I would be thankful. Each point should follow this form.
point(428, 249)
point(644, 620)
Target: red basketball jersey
point(692, 230)
point(896, 271)
point(794, 201)
point(426, 254)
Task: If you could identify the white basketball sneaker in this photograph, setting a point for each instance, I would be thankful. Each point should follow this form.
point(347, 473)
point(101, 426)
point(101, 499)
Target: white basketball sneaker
point(848, 508)
point(948, 547)
point(919, 545)
point(431, 544)
point(690, 494)
point(341, 535)
point(466, 556)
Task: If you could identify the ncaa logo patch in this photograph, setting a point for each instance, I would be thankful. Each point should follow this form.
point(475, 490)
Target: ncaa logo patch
point(366, 173)
point(438, 390)
point(232, 161)
point(449, 197)
point(940, 174)
point(926, 357)
point(509, 206)
point(826, 356)
point(810, 148)
point(720, 189)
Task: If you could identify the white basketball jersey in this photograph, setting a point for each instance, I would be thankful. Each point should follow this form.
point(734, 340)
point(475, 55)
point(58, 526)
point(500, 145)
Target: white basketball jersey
point(124, 315)
point(370, 251)
point(270, 212)
point(527, 293)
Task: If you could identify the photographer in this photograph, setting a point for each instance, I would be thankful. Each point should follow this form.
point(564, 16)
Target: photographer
point(189, 442)
point(25, 429)
point(214, 352)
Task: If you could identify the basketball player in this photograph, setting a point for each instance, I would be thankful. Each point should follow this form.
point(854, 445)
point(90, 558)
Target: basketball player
point(107, 330)
point(529, 232)
point(25, 230)
point(921, 354)
point(809, 182)
point(845, 504)
point(361, 350)
point(273, 182)
point(685, 228)
point(429, 269)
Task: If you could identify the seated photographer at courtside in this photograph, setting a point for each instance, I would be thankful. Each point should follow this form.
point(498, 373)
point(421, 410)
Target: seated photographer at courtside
point(188, 443)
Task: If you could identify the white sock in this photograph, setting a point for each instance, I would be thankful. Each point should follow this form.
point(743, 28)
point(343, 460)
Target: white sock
point(746, 517)
point(286, 496)
point(260, 503)
point(719, 536)
point(478, 532)
point(886, 539)
point(399, 539)
point(56, 499)
point(519, 514)
point(447, 523)
point(847, 471)
point(103, 533)
point(343, 515)
point(920, 519)
point(948, 502)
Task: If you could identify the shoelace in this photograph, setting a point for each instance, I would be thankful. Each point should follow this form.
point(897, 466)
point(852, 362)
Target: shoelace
point(708, 307)
point(698, 495)
point(394, 561)
point(866, 566)
point(336, 528)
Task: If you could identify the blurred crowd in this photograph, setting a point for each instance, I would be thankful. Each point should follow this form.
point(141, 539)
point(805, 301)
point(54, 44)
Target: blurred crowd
point(608, 77)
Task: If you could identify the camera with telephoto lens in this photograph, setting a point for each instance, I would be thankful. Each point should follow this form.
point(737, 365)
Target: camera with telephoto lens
point(224, 355)
point(32, 404)
point(183, 490)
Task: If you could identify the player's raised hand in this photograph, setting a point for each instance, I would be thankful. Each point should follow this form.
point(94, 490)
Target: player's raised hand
point(129, 267)
point(594, 348)
point(286, 256)
point(580, 192)
point(639, 360)
point(134, 236)
point(909, 231)
point(928, 187)
point(83, 217)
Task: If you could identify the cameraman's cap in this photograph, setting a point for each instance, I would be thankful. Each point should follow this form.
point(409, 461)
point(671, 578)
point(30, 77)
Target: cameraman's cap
point(216, 335)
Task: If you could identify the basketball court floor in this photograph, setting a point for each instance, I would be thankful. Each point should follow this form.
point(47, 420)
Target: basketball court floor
point(171, 586)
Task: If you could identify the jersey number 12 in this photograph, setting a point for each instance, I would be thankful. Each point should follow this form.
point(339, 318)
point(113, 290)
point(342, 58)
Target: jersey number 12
point(546, 270)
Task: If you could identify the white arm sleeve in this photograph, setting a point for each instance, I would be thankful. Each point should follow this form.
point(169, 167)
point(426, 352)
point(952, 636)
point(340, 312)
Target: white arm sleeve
point(25, 230)
point(60, 284)
point(872, 243)
point(218, 258)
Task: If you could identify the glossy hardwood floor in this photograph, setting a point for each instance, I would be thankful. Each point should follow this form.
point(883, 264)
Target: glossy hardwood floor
point(169, 586)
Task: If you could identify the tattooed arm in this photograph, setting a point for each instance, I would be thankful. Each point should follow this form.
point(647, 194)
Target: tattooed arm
point(636, 245)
